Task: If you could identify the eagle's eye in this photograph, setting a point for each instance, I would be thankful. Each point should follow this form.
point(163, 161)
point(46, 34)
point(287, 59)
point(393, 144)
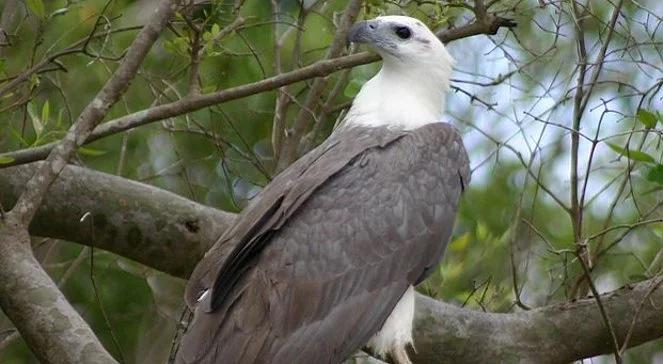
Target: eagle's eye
point(403, 32)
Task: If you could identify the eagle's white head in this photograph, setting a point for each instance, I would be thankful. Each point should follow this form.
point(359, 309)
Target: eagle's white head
point(409, 90)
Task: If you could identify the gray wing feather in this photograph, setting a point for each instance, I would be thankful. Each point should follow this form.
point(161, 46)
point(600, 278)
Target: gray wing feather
point(328, 267)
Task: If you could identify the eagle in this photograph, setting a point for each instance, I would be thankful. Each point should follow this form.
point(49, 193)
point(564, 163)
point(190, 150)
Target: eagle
point(324, 259)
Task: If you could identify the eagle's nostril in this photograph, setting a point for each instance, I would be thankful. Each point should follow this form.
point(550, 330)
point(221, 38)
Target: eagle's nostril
point(372, 26)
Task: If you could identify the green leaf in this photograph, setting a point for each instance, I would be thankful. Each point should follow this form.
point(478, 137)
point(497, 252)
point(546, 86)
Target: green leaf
point(34, 80)
point(91, 152)
point(647, 118)
point(216, 29)
point(635, 155)
point(353, 87)
point(482, 232)
point(49, 136)
point(58, 121)
point(37, 7)
point(36, 123)
point(655, 174)
point(45, 112)
point(5, 159)
point(181, 44)
point(18, 136)
point(460, 243)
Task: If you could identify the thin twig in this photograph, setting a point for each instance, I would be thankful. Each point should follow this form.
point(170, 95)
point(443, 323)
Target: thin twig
point(193, 103)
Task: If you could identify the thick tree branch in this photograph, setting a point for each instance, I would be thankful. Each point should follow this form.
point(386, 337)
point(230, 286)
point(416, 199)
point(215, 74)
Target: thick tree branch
point(489, 25)
point(559, 333)
point(444, 333)
point(131, 219)
point(52, 328)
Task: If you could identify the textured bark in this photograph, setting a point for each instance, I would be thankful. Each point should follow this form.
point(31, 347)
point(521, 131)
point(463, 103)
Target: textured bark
point(557, 333)
point(50, 326)
point(152, 226)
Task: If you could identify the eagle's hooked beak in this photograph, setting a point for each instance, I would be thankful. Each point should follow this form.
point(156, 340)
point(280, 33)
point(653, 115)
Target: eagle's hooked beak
point(363, 32)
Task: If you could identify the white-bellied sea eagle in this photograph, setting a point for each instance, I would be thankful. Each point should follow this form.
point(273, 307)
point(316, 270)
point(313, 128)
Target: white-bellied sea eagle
point(325, 258)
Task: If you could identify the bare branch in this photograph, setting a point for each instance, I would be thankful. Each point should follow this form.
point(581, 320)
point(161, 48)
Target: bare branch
point(93, 114)
point(47, 322)
point(292, 142)
point(193, 103)
point(54, 331)
point(40, 67)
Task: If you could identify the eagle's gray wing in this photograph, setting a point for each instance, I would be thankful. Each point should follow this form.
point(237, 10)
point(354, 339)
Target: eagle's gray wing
point(274, 205)
point(314, 275)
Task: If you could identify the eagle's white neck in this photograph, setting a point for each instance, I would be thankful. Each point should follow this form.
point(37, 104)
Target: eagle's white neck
point(401, 97)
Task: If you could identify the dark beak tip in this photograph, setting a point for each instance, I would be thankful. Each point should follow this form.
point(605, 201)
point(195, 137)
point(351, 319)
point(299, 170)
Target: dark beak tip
point(354, 34)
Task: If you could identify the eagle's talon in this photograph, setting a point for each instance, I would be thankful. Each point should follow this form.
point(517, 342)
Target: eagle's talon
point(414, 349)
point(399, 355)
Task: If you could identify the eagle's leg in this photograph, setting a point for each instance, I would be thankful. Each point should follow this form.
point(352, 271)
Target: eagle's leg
point(396, 333)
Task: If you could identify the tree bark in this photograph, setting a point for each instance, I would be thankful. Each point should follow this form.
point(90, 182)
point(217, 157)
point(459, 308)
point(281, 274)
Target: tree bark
point(149, 225)
point(558, 333)
point(50, 326)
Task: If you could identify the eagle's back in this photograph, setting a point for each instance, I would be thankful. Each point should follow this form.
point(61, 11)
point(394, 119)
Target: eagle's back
point(329, 264)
